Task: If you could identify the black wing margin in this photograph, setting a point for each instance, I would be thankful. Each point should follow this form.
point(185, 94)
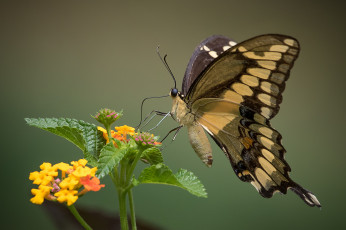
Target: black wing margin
point(204, 54)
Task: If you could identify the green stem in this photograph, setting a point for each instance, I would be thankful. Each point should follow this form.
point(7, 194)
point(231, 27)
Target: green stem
point(132, 210)
point(123, 167)
point(114, 177)
point(123, 212)
point(109, 133)
point(122, 179)
point(75, 213)
point(132, 167)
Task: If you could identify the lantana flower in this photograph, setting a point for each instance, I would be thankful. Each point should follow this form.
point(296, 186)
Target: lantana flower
point(146, 139)
point(121, 134)
point(107, 116)
point(66, 188)
point(91, 184)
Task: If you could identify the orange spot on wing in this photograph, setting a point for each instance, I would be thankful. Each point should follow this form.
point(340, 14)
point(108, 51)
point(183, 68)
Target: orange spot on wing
point(247, 142)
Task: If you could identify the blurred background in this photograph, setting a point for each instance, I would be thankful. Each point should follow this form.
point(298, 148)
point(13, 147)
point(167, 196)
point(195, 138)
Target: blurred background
point(71, 58)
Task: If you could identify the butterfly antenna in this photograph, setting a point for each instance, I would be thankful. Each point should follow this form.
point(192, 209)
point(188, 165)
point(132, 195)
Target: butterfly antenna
point(164, 61)
point(142, 107)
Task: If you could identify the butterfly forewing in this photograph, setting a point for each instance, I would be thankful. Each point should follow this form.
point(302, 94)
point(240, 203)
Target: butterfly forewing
point(252, 73)
point(204, 54)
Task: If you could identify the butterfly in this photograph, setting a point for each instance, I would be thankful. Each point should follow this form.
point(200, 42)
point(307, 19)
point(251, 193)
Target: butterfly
point(231, 91)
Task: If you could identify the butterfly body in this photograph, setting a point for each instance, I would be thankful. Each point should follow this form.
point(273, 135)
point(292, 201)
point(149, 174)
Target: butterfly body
point(231, 91)
point(198, 138)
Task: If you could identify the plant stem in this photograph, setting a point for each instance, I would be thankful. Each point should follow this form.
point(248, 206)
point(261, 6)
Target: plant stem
point(75, 213)
point(122, 179)
point(133, 165)
point(132, 210)
point(123, 212)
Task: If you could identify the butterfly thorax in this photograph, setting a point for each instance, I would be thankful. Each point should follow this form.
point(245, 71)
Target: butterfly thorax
point(180, 112)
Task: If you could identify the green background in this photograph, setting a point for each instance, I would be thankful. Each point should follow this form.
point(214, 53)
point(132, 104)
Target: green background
point(71, 58)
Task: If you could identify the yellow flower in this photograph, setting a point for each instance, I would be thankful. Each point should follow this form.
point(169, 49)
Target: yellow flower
point(40, 178)
point(64, 168)
point(105, 135)
point(102, 129)
point(81, 162)
point(83, 171)
point(48, 169)
point(40, 194)
point(124, 130)
point(70, 182)
point(65, 195)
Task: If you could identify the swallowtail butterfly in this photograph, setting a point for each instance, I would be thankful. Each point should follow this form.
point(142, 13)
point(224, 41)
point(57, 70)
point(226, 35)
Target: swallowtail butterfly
point(231, 91)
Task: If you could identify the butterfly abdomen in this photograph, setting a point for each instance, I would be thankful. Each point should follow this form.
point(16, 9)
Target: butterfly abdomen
point(200, 143)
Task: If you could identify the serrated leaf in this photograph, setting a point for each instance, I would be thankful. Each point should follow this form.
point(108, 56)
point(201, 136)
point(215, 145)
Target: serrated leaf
point(161, 174)
point(92, 161)
point(109, 158)
point(191, 183)
point(152, 156)
point(158, 174)
point(84, 135)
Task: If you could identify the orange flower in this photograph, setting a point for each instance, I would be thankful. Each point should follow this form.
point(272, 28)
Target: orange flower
point(91, 184)
point(123, 131)
point(121, 134)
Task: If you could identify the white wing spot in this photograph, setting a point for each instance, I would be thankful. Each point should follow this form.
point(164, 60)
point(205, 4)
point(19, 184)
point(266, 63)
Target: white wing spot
point(206, 48)
point(213, 54)
point(232, 43)
point(225, 48)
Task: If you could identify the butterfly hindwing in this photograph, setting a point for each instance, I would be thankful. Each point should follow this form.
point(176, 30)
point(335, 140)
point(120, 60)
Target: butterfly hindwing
point(253, 147)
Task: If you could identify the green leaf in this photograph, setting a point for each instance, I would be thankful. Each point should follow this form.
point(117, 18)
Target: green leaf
point(152, 156)
point(191, 183)
point(109, 158)
point(84, 135)
point(161, 174)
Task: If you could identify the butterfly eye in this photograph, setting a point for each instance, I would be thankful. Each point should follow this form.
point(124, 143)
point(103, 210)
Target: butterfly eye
point(174, 92)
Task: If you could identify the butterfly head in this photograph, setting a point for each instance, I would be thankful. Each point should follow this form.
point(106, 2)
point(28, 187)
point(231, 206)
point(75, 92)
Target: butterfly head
point(174, 92)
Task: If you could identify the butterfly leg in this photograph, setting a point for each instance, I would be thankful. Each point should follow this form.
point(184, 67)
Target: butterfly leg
point(166, 115)
point(151, 116)
point(175, 129)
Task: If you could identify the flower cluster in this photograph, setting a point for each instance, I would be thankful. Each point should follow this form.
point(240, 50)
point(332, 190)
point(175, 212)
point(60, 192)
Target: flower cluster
point(146, 139)
point(121, 134)
point(65, 187)
point(107, 116)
